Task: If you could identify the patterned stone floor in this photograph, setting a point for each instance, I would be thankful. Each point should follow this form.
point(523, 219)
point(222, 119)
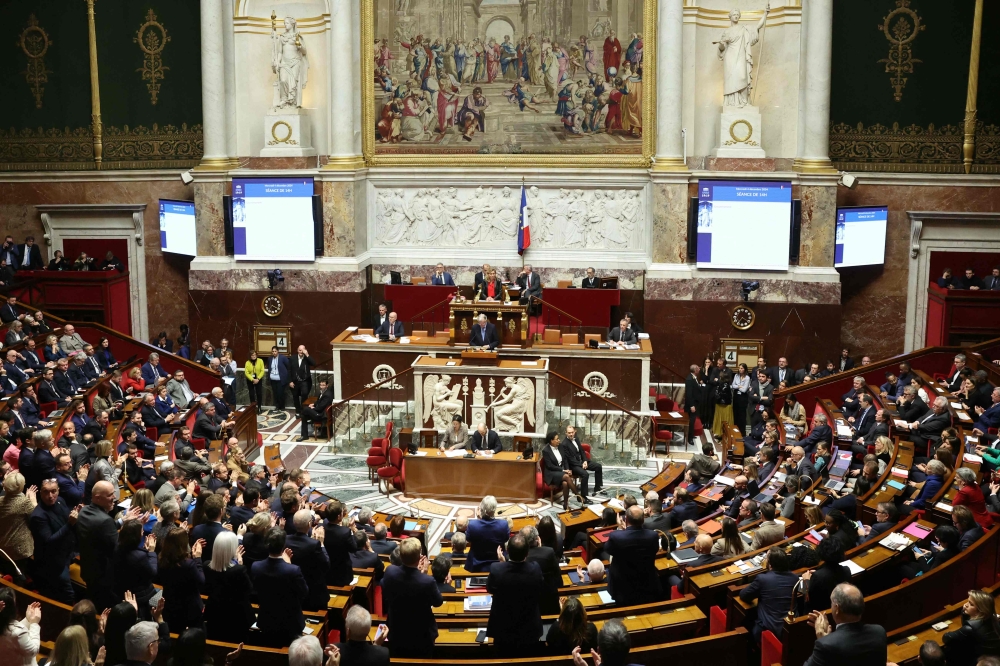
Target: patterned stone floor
point(345, 477)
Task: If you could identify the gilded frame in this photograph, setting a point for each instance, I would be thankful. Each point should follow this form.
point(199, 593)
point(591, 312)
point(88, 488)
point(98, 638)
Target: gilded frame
point(563, 160)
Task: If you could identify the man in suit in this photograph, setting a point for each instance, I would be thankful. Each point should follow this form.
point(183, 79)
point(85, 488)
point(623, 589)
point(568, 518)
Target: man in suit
point(98, 426)
point(152, 418)
point(773, 592)
point(769, 531)
point(518, 588)
point(851, 399)
point(846, 362)
point(988, 418)
point(484, 334)
point(217, 398)
point(853, 642)
point(572, 450)
point(71, 484)
point(970, 280)
point(29, 359)
point(480, 277)
point(821, 432)
point(9, 311)
point(622, 335)
point(364, 557)
point(340, 544)
point(548, 562)
point(928, 428)
point(180, 391)
point(154, 374)
point(591, 281)
point(992, 281)
point(49, 391)
point(381, 317)
point(693, 389)
point(215, 506)
point(739, 492)
point(705, 463)
point(910, 406)
point(886, 518)
point(209, 425)
point(29, 256)
point(52, 529)
point(955, 379)
point(309, 555)
point(633, 578)
point(442, 277)
point(892, 387)
point(947, 280)
point(879, 428)
point(281, 589)
point(78, 372)
point(97, 538)
point(316, 411)
point(683, 507)
point(379, 543)
point(655, 518)
point(485, 439)
point(13, 371)
point(357, 650)
point(392, 328)
point(530, 284)
point(279, 373)
point(91, 366)
point(485, 533)
point(801, 463)
point(64, 379)
point(301, 383)
point(408, 595)
point(702, 545)
point(781, 373)
point(864, 418)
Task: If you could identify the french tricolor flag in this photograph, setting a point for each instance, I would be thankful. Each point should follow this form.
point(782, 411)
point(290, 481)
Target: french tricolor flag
point(523, 230)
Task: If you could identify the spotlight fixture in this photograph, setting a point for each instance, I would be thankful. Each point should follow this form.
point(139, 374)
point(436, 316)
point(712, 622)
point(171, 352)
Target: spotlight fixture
point(273, 277)
point(186, 177)
point(847, 180)
point(747, 287)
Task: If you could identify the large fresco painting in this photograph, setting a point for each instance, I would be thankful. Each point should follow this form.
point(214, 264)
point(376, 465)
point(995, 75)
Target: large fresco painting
point(509, 80)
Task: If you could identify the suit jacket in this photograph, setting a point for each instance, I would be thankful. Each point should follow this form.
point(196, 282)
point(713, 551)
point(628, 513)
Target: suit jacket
point(845, 364)
point(152, 374)
point(175, 390)
point(482, 289)
point(773, 591)
point(550, 465)
point(493, 442)
point(55, 540)
point(31, 360)
point(657, 521)
point(517, 589)
point(8, 313)
point(478, 280)
point(378, 320)
point(284, 369)
point(207, 531)
point(483, 537)
point(931, 426)
point(877, 430)
point(970, 537)
point(407, 598)
point(685, 511)
point(616, 335)
point(445, 279)
point(357, 653)
point(988, 419)
point(340, 544)
point(820, 433)
point(706, 466)
point(991, 283)
point(573, 453)
point(35, 262)
point(15, 373)
point(591, 283)
point(632, 575)
point(78, 375)
point(852, 643)
point(775, 375)
point(207, 427)
point(548, 563)
point(766, 534)
point(97, 537)
point(531, 285)
point(864, 420)
point(692, 393)
point(221, 408)
point(281, 591)
point(805, 468)
point(70, 489)
point(366, 559)
point(64, 383)
point(152, 418)
point(912, 410)
point(311, 557)
point(300, 369)
point(850, 408)
point(489, 338)
point(395, 330)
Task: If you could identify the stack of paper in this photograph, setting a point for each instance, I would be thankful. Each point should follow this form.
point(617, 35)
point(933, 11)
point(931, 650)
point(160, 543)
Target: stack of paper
point(725, 480)
point(901, 472)
point(843, 432)
point(896, 541)
point(963, 416)
point(853, 566)
point(900, 423)
point(419, 454)
point(606, 597)
point(479, 603)
point(943, 506)
point(675, 415)
point(458, 453)
point(598, 509)
point(956, 405)
point(973, 458)
point(615, 503)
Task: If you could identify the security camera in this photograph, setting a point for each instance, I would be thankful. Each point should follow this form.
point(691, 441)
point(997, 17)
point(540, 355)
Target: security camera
point(746, 287)
point(273, 277)
point(186, 177)
point(848, 181)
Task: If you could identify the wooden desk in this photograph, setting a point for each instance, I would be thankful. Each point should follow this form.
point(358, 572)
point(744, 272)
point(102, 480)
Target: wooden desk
point(504, 475)
point(510, 319)
point(591, 306)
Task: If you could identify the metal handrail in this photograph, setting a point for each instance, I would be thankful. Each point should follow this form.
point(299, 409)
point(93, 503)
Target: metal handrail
point(600, 397)
point(577, 321)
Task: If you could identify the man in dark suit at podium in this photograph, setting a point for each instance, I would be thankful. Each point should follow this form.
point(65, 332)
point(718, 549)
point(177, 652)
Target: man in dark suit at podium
point(484, 439)
point(484, 334)
point(392, 328)
point(591, 281)
point(622, 334)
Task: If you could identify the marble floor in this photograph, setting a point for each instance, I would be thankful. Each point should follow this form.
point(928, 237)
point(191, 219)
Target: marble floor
point(344, 475)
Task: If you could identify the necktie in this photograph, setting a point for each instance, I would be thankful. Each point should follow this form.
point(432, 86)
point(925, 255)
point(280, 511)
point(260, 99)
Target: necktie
point(93, 362)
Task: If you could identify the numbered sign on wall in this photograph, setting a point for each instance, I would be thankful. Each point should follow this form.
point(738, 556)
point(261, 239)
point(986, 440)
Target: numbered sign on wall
point(736, 351)
point(265, 337)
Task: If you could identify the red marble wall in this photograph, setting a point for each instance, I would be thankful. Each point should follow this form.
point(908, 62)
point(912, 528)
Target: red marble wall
point(874, 297)
point(166, 275)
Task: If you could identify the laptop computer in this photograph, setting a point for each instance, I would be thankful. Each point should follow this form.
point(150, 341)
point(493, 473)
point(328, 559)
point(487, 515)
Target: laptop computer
point(608, 283)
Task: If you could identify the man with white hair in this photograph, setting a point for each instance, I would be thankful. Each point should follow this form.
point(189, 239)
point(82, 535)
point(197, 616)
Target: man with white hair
point(218, 399)
point(142, 643)
point(392, 328)
point(356, 649)
point(306, 651)
point(655, 518)
point(71, 340)
point(691, 531)
point(595, 572)
point(309, 554)
point(484, 334)
point(153, 372)
point(928, 427)
point(485, 534)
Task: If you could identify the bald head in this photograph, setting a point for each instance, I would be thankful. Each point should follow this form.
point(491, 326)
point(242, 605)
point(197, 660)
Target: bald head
point(103, 495)
point(703, 544)
point(635, 515)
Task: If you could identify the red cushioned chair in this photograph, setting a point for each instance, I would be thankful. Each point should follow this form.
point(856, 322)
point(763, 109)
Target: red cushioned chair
point(333, 637)
point(665, 404)
point(198, 442)
point(770, 649)
point(675, 593)
point(586, 449)
point(377, 603)
point(47, 408)
point(717, 620)
point(392, 473)
point(377, 458)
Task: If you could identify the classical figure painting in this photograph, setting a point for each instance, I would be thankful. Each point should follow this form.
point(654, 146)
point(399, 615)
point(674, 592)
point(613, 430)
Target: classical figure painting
point(509, 77)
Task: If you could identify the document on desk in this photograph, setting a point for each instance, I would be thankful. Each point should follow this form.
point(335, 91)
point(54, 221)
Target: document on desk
point(956, 405)
point(457, 453)
point(615, 503)
point(973, 458)
point(725, 480)
point(853, 566)
point(482, 602)
point(675, 415)
point(606, 597)
point(419, 454)
point(598, 509)
point(900, 423)
point(844, 432)
point(352, 328)
point(963, 416)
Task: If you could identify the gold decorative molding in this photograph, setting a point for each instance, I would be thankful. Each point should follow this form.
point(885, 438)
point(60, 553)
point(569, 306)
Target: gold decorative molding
point(746, 139)
point(901, 27)
point(155, 147)
point(46, 149)
point(35, 43)
point(152, 38)
point(96, 127)
point(566, 160)
point(906, 149)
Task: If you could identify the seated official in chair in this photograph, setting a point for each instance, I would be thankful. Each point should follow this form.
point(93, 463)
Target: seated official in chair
point(530, 284)
point(392, 328)
point(485, 439)
point(490, 289)
point(484, 334)
point(442, 277)
point(622, 335)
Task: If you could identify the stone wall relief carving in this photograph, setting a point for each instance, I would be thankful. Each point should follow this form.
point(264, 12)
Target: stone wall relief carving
point(441, 401)
point(515, 401)
point(488, 217)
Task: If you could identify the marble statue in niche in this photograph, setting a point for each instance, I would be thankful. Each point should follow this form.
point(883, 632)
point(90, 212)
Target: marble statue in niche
point(515, 401)
point(441, 401)
point(487, 217)
point(289, 62)
point(737, 58)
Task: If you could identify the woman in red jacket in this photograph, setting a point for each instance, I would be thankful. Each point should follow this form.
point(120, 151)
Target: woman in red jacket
point(133, 383)
point(970, 495)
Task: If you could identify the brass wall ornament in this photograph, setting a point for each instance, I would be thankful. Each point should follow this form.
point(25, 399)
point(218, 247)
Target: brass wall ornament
point(745, 133)
point(35, 43)
point(901, 27)
point(275, 139)
point(152, 38)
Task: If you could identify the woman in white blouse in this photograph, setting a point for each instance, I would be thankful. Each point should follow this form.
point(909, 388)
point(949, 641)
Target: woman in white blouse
point(741, 385)
point(919, 388)
point(19, 640)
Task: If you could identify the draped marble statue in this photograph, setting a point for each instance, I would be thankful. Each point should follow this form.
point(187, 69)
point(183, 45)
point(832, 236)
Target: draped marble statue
point(737, 58)
point(289, 62)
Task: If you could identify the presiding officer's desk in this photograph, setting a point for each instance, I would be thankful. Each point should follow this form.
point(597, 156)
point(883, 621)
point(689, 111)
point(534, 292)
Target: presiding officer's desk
point(507, 475)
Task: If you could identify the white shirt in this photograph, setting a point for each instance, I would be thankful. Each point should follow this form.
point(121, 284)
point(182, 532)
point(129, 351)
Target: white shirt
point(555, 450)
point(20, 643)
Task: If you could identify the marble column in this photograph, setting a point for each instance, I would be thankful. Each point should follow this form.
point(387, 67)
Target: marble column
point(669, 86)
point(213, 85)
point(345, 95)
point(229, 47)
point(813, 151)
